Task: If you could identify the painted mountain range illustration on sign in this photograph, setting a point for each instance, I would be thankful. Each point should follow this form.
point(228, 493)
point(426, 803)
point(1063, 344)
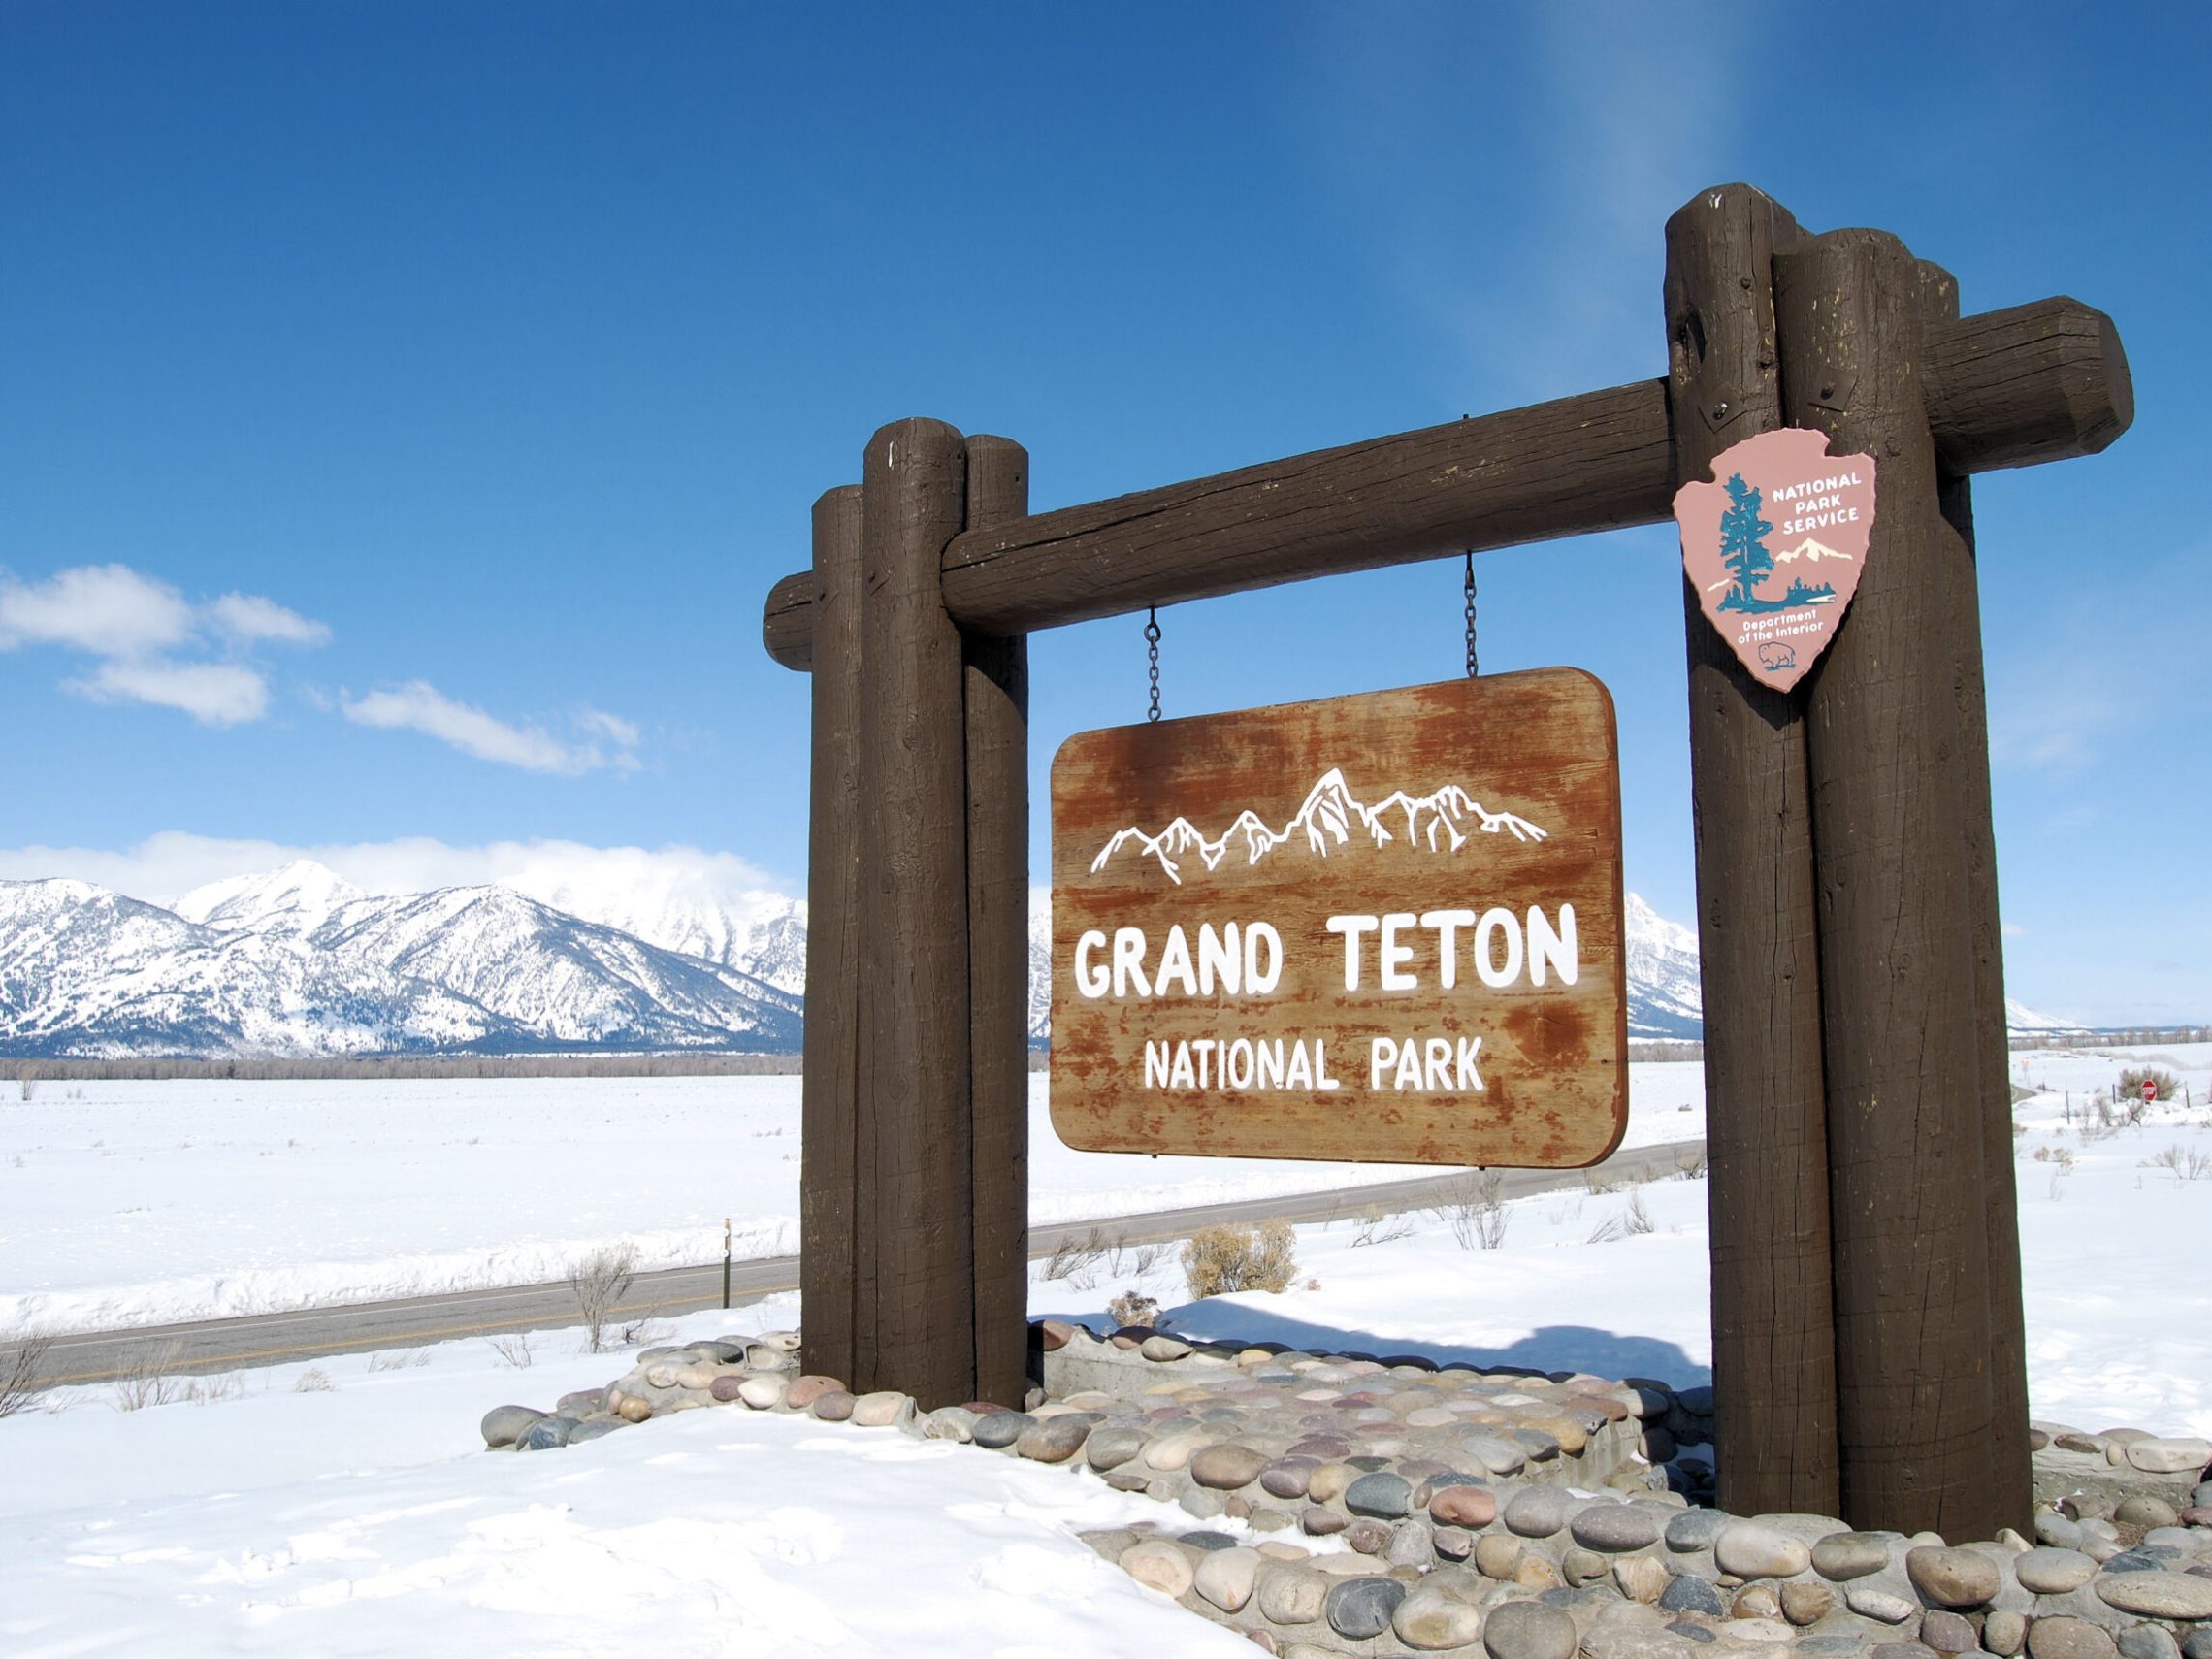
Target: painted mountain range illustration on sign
point(1332, 817)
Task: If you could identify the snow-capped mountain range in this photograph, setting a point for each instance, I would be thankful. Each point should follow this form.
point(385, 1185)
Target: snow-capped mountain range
point(297, 962)
point(1437, 822)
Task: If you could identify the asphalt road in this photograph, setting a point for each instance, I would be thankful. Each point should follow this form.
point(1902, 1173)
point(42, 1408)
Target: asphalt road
point(411, 1321)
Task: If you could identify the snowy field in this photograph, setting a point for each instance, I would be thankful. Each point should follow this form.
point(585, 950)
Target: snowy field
point(346, 1507)
point(144, 1203)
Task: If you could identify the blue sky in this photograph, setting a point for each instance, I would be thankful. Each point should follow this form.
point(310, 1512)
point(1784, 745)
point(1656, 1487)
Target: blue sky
point(405, 408)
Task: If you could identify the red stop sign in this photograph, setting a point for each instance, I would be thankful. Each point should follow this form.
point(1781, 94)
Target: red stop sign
point(2150, 1090)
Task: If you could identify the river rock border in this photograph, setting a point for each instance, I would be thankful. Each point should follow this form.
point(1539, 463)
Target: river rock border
point(1366, 1505)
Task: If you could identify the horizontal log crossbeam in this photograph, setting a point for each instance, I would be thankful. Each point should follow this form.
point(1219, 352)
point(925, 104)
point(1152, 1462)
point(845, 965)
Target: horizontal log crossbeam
point(2010, 388)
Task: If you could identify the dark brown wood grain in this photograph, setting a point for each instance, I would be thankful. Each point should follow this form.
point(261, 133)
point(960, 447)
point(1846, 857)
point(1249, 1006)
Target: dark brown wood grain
point(1547, 1086)
point(2011, 1472)
point(2037, 383)
point(997, 697)
point(1897, 962)
point(915, 1282)
point(1758, 941)
point(828, 1216)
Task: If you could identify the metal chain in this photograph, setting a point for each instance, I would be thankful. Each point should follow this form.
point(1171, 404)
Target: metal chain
point(1152, 653)
point(1474, 667)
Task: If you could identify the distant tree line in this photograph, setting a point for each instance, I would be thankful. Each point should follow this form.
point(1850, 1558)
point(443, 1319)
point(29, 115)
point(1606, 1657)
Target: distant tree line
point(407, 1066)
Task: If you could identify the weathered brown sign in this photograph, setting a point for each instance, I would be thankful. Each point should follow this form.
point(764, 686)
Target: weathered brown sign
point(1775, 546)
point(1382, 927)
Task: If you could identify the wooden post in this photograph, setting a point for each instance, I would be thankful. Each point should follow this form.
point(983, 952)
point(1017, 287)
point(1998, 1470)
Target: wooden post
point(996, 700)
point(827, 1214)
point(915, 1252)
point(1766, 1135)
point(2011, 1471)
point(1896, 966)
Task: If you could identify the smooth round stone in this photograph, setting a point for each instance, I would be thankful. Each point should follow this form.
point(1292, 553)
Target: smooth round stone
point(694, 1377)
point(1367, 1536)
point(1536, 1512)
point(1640, 1578)
point(1529, 1630)
point(770, 1357)
point(1327, 1482)
point(1497, 1555)
point(660, 1375)
point(1696, 1529)
point(1160, 1565)
point(2144, 1511)
point(1431, 1417)
point(1463, 1505)
point(1499, 1457)
point(2053, 1572)
point(724, 1389)
point(545, 1434)
point(1846, 1555)
point(1206, 1538)
point(882, 1409)
point(1756, 1601)
point(594, 1429)
point(1950, 1577)
point(2055, 1530)
point(1315, 1521)
point(835, 1407)
point(2148, 1641)
point(1806, 1604)
point(1750, 1550)
point(956, 1423)
point(1163, 1349)
point(763, 1394)
point(1682, 1627)
point(1451, 1543)
point(1431, 1621)
point(1579, 1566)
point(1615, 1528)
point(503, 1425)
point(1053, 1335)
point(1291, 1594)
point(1326, 1448)
point(2175, 1456)
point(2005, 1633)
point(1226, 1467)
point(2196, 1645)
point(1884, 1605)
point(1287, 1476)
point(1689, 1594)
point(2156, 1595)
point(1381, 1495)
point(1110, 1448)
point(1900, 1650)
point(1200, 1504)
point(2064, 1637)
point(1228, 1578)
point(1361, 1608)
point(583, 1403)
point(1055, 1439)
point(995, 1431)
point(1411, 1544)
point(632, 1409)
point(1540, 1446)
point(1173, 1451)
point(1947, 1633)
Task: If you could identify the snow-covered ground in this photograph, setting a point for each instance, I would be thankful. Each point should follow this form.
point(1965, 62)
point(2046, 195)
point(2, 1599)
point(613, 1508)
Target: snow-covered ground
point(144, 1203)
point(345, 1507)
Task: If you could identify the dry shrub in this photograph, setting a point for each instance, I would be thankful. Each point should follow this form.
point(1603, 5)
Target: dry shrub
point(2132, 1083)
point(1227, 1258)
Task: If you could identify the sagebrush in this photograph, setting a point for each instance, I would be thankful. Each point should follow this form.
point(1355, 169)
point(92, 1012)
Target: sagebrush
point(2132, 1083)
point(1227, 1258)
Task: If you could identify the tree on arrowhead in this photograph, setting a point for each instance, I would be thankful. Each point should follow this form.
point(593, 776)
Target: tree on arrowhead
point(1744, 543)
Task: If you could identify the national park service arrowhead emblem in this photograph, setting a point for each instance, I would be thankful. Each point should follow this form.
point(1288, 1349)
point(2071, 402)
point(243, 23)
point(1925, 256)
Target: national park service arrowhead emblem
point(1775, 545)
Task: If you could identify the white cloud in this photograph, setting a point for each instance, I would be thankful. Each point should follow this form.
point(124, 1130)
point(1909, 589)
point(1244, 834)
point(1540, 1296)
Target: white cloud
point(109, 610)
point(611, 726)
point(141, 632)
point(214, 693)
point(250, 617)
point(421, 707)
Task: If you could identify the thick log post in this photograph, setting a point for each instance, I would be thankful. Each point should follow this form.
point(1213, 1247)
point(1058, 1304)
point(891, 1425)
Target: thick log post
point(1766, 1135)
point(2011, 1473)
point(826, 1210)
point(998, 719)
point(915, 1252)
point(1896, 962)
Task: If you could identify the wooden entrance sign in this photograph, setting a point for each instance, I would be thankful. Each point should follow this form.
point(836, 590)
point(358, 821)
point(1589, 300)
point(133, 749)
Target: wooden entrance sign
point(1379, 928)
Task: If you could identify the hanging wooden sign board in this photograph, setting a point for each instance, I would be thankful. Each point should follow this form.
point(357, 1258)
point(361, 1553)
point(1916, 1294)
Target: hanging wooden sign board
point(1381, 929)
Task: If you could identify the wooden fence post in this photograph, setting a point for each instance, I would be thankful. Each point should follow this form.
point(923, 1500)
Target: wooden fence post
point(2011, 1471)
point(1766, 1139)
point(915, 1251)
point(1897, 962)
point(996, 700)
point(828, 1213)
